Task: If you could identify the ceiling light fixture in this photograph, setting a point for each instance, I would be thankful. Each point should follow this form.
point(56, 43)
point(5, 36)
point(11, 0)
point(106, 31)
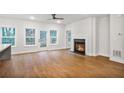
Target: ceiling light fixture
point(58, 21)
point(32, 17)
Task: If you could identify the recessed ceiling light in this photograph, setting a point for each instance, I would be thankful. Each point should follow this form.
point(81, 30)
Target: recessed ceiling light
point(32, 17)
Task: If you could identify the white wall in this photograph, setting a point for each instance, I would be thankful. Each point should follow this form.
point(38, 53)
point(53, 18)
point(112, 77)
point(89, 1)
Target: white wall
point(83, 29)
point(20, 26)
point(103, 36)
point(116, 40)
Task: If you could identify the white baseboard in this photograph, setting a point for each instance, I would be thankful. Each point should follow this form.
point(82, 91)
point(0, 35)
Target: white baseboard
point(89, 54)
point(57, 49)
point(24, 52)
point(117, 60)
point(105, 55)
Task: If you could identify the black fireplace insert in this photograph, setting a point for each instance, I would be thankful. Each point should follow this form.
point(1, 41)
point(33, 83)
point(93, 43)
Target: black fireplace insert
point(79, 46)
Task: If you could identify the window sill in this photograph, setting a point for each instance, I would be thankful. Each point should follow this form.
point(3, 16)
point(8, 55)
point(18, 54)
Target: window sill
point(53, 44)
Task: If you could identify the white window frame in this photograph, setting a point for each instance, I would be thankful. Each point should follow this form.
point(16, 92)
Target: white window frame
point(15, 37)
point(25, 37)
point(56, 36)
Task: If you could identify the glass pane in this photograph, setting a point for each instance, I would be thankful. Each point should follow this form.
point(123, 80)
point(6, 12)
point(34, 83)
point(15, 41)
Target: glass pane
point(30, 32)
point(69, 39)
point(53, 36)
point(30, 41)
point(8, 35)
point(68, 33)
point(53, 40)
point(43, 38)
point(53, 33)
point(8, 41)
point(8, 31)
point(30, 36)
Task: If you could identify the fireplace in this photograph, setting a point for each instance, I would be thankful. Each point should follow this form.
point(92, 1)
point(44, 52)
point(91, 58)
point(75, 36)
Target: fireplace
point(79, 46)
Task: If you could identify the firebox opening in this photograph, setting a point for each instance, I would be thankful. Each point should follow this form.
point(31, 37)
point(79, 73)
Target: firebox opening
point(79, 46)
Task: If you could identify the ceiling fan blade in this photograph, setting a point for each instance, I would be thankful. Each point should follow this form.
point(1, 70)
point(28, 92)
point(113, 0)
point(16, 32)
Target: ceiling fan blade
point(60, 18)
point(55, 18)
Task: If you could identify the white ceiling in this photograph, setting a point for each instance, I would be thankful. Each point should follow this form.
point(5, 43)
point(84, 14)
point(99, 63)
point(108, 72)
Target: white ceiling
point(68, 18)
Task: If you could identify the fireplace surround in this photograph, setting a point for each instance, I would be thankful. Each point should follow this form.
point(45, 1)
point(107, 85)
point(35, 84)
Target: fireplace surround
point(79, 46)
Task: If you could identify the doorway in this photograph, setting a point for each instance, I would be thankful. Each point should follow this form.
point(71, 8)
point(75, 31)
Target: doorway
point(68, 39)
point(43, 39)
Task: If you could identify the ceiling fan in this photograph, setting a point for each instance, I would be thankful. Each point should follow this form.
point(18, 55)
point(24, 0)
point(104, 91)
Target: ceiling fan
point(55, 18)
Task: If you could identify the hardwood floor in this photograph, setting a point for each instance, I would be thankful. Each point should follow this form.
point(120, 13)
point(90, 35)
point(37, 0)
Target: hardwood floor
point(59, 64)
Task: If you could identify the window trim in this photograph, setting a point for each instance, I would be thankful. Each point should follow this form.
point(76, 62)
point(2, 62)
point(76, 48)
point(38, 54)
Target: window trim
point(15, 37)
point(56, 37)
point(25, 37)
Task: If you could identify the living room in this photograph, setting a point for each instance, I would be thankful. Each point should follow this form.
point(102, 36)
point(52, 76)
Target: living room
point(84, 35)
point(61, 46)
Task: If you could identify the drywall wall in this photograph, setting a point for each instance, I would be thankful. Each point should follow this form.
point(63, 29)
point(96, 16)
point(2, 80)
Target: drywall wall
point(103, 36)
point(117, 37)
point(20, 26)
point(83, 29)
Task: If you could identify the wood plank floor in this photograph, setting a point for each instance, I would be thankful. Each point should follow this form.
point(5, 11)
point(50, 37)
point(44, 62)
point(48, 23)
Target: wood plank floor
point(59, 64)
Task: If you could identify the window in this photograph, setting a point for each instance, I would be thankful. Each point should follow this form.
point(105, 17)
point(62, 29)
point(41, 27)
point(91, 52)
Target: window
point(30, 36)
point(53, 36)
point(43, 37)
point(8, 35)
